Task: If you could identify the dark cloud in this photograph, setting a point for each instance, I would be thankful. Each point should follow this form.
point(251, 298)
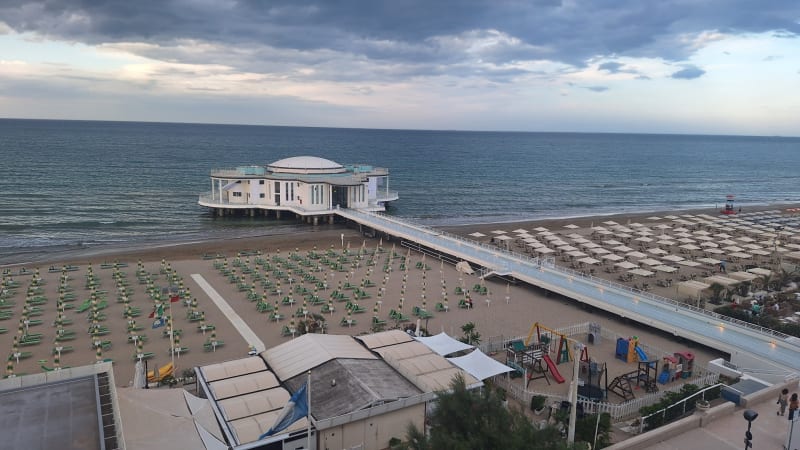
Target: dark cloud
point(688, 73)
point(597, 88)
point(423, 37)
point(611, 67)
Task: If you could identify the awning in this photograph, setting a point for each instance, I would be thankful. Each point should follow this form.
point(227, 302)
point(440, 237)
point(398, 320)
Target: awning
point(443, 344)
point(480, 366)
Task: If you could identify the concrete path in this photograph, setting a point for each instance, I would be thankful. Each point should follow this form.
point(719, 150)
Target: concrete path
point(247, 333)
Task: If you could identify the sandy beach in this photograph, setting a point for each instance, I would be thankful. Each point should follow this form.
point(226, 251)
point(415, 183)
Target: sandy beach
point(283, 272)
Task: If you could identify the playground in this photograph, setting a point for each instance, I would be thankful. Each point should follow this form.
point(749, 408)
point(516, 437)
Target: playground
point(613, 368)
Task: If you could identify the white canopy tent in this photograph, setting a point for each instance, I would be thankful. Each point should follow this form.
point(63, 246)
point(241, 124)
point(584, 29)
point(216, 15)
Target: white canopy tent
point(443, 344)
point(480, 366)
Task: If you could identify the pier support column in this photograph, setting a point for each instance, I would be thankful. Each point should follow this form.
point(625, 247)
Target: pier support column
point(277, 214)
point(316, 220)
point(330, 219)
point(252, 212)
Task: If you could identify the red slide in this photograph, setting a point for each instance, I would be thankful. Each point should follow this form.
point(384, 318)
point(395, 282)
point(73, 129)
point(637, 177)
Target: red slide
point(551, 366)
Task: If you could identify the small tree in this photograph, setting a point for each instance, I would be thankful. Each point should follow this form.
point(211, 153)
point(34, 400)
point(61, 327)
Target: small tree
point(471, 335)
point(467, 420)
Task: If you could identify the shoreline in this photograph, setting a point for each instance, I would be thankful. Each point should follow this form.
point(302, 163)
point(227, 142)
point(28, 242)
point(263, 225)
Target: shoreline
point(302, 238)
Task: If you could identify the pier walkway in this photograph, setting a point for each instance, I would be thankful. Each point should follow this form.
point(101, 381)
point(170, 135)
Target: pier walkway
point(705, 327)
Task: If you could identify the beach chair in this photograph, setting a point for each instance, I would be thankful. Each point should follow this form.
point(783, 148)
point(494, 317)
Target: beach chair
point(286, 331)
point(142, 337)
point(206, 327)
point(62, 350)
point(264, 307)
point(398, 316)
point(347, 323)
point(211, 346)
point(66, 335)
point(143, 355)
point(440, 307)
point(355, 308)
point(276, 316)
point(464, 304)
point(326, 309)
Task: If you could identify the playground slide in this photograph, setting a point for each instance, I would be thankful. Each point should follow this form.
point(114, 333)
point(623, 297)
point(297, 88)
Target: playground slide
point(641, 354)
point(551, 366)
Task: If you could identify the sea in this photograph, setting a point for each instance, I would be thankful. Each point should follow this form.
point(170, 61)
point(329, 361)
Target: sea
point(72, 185)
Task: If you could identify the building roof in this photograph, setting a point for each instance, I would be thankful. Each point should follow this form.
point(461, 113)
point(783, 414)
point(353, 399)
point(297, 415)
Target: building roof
point(234, 368)
point(342, 386)
point(247, 398)
point(311, 350)
point(306, 164)
point(384, 338)
point(420, 365)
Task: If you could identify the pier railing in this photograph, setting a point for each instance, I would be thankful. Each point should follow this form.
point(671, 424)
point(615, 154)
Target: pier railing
point(533, 262)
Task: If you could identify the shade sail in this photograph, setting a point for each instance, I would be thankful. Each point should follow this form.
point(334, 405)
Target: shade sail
point(443, 344)
point(480, 366)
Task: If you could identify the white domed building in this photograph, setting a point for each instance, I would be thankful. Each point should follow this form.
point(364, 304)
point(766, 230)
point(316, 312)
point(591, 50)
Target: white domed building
point(307, 186)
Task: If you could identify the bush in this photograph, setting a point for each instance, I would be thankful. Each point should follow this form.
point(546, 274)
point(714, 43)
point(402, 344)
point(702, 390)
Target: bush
point(676, 410)
point(537, 402)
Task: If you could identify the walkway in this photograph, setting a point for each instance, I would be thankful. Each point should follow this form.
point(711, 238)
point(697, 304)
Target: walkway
point(236, 320)
point(705, 327)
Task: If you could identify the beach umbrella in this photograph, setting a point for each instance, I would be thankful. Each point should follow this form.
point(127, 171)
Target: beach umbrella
point(10, 368)
point(98, 353)
point(139, 378)
point(508, 292)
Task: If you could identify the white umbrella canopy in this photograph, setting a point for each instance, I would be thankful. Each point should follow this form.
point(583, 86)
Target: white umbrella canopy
point(622, 249)
point(657, 251)
point(576, 254)
point(612, 242)
point(139, 379)
point(709, 244)
point(689, 247)
point(477, 234)
point(636, 255)
point(710, 261)
point(571, 226)
point(641, 272)
point(688, 263)
point(599, 251)
point(612, 257)
point(666, 269)
point(589, 260)
point(626, 265)
point(673, 258)
point(650, 262)
point(503, 237)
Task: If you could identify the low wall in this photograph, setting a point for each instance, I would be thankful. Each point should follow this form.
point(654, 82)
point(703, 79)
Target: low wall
point(698, 419)
point(767, 394)
point(649, 439)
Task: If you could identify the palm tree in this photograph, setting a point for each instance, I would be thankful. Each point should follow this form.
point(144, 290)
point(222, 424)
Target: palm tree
point(471, 336)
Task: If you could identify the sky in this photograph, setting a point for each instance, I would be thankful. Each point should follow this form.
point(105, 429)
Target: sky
point(639, 66)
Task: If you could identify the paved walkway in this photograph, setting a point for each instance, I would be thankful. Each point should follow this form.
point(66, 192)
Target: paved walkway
point(236, 320)
point(729, 335)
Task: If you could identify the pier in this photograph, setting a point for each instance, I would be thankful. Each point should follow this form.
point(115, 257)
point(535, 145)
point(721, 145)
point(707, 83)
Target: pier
point(696, 324)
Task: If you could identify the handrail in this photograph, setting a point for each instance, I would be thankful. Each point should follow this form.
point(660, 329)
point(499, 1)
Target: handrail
point(663, 411)
point(497, 251)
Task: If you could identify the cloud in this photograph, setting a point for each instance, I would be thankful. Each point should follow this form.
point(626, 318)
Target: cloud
point(611, 67)
point(688, 72)
point(597, 88)
point(403, 39)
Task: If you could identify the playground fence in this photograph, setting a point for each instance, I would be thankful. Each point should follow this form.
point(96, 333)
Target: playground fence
point(618, 411)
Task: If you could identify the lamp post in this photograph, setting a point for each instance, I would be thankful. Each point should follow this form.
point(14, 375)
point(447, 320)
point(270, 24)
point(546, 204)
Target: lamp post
point(749, 416)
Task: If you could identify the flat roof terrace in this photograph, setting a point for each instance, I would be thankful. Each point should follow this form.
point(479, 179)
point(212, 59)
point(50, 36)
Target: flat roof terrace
point(48, 416)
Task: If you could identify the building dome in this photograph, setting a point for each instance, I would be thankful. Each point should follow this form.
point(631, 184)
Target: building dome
point(306, 164)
